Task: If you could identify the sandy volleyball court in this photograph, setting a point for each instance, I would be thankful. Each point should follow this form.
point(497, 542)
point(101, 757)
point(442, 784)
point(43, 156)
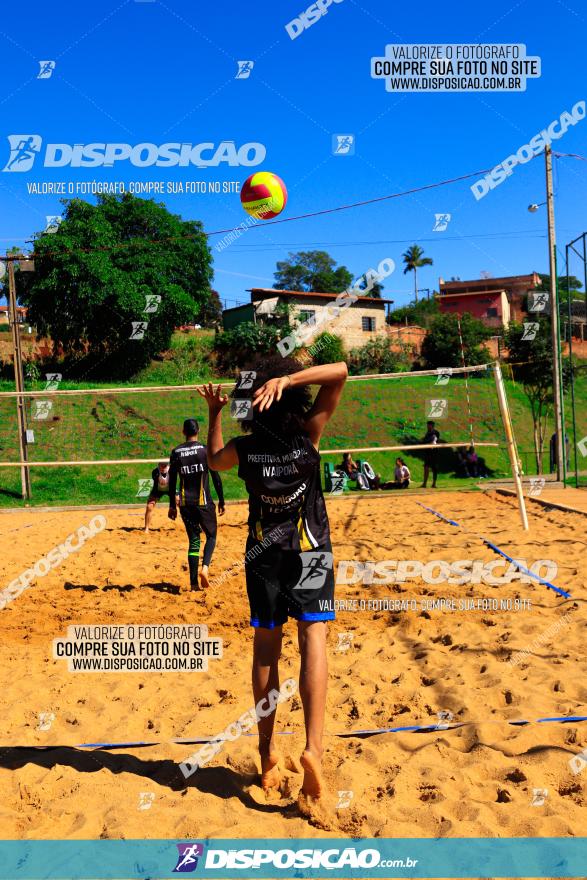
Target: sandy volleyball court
point(394, 669)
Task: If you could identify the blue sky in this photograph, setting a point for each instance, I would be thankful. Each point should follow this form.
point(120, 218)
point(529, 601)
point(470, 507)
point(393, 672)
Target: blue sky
point(155, 72)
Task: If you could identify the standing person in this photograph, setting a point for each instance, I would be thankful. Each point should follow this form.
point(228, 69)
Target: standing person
point(160, 487)
point(431, 436)
point(280, 466)
point(189, 464)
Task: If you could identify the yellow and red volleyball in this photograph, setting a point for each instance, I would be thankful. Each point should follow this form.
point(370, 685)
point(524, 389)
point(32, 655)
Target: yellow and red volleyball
point(263, 195)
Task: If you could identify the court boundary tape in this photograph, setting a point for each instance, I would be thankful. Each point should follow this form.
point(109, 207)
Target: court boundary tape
point(564, 593)
point(345, 734)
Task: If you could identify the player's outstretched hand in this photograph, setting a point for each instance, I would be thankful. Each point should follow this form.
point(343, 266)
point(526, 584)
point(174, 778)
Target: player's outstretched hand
point(213, 397)
point(172, 513)
point(270, 391)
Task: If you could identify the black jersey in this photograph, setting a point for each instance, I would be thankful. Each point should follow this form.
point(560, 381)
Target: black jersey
point(160, 482)
point(282, 477)
point(189, 464)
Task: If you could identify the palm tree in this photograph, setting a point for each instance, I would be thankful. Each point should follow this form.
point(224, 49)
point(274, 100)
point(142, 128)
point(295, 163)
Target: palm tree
point(413, 259)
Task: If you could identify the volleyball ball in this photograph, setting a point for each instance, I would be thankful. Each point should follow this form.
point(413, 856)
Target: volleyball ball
point(263, 195)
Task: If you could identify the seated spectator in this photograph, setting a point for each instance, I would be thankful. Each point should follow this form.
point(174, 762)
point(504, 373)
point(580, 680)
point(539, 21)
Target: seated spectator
point(348, 466)
point(473, 462)
point(462, 468)
point(402, 476)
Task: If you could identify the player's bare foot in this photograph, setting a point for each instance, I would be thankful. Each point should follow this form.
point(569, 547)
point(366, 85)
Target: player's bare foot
point(312, 786)
point(204, 581)
point(195, 588)
point(270, 773)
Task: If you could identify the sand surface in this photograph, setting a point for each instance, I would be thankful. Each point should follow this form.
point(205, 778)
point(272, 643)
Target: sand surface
point(401, 669)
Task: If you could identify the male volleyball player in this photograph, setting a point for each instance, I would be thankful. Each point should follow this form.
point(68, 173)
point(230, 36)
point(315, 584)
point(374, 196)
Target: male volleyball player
point(189, 464)
point(292, 575)
point(160, 487)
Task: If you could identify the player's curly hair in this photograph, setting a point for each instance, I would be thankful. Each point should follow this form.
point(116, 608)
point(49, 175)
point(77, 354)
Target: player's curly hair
point(284, 417)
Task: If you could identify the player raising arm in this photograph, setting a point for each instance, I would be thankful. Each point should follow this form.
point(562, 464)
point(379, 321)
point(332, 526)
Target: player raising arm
point(293, 575)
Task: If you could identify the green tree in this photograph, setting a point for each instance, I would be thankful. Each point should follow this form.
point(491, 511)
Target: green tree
point(420, 313)
point(244, 343)
point(442, 345)
point(533, 368)
point(312, 271)
point(413, 259)
point(93, 276)
point(567, 285)
point(210, 314)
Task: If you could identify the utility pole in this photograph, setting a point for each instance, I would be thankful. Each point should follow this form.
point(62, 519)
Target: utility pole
point(554, 322)
point(18, 377)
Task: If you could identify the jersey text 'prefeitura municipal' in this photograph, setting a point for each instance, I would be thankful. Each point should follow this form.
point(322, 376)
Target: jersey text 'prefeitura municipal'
point(282, 477)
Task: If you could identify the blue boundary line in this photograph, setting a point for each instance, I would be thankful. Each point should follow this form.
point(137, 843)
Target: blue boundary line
point(501, 552)
point(413, 728)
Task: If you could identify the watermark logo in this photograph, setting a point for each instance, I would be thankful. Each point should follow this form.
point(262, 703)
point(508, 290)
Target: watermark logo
point(53, 380)
point(343, 145)
point(539, 796)
point(360, 287)
point(188, 855)
point(337, 483)
point(46, 719)
point(245, 69)
point(530, 331)
point(344, 799)
point(315, 567)
point(436, 408)
point(139, 328)
point(144, 488)
point(53, 223)
point(537, 484)
point(444, 374)
point(444, 716)
point(46, 69)
point(146, 799)
point(306, 19)
point(24, 149)
point(241, 409)
point(54, 558)
point(246, 379)
point(528, 151)
point(441, 222)
point(538, 301)
point(578, 762)
point(41, 409)
point(152, 303)
point(236, 729)
point(345, 642)
point(439, 571)
point(582, 446)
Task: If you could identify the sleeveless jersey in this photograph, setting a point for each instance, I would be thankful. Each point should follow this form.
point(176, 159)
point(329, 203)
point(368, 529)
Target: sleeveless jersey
point(282, 477)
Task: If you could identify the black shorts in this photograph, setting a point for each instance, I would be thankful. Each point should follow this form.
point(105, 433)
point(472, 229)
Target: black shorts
point(157, 495)
point(288, 583)
point(200, 518)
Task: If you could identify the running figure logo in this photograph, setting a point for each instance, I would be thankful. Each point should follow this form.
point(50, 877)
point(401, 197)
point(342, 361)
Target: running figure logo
point(139, 328)
point(537, 301)
point(530, 330)
point(187, 860)
point(316, 565)
point(246, 379)
point(23, 151)
point(343, 145)
point(46, 69)
point(437, 409)
point(241, 409)
point(53, 222)
point(441, 222)
point(444, 374)
point(244, 69)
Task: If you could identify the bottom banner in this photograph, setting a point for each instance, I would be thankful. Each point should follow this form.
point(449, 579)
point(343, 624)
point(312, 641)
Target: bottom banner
point(313, 857)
